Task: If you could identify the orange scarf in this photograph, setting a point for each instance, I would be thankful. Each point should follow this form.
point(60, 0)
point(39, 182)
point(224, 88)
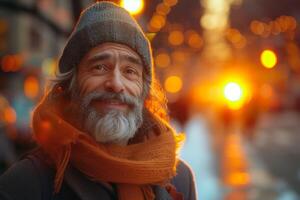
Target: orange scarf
point(133, 168)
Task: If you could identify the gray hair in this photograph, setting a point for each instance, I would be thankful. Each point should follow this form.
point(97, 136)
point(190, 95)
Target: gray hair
point(67, 80)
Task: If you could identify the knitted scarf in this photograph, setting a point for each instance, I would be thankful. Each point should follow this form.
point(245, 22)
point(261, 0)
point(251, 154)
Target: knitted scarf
point(133, 168)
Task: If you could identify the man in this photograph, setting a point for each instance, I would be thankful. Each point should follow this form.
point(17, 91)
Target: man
point(102, 126)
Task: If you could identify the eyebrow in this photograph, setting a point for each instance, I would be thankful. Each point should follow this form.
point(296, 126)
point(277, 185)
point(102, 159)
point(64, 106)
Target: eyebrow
point(99, 57)
point(132, 59)
point(105, 56)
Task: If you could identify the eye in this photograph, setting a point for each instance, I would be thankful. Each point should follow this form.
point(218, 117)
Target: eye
point(131, 71)
point(100, 67)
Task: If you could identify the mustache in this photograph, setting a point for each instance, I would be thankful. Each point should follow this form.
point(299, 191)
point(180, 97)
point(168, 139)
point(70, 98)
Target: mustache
point(107, 96)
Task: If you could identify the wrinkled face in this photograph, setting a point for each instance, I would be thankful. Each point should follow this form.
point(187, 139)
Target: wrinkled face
point(109, 89)
point(113, 68)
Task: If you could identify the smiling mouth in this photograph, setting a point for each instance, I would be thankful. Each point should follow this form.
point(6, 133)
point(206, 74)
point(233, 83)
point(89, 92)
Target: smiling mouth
point(110, 104)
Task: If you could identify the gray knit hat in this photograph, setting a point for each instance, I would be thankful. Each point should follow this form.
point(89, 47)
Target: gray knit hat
point(105, 22)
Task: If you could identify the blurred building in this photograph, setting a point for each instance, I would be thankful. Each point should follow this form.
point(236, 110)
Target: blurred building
point(32, 36)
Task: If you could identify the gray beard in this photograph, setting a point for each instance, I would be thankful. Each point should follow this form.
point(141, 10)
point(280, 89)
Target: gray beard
point(110, 126)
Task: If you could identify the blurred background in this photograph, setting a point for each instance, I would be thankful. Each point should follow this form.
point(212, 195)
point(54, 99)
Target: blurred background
point(230, 68)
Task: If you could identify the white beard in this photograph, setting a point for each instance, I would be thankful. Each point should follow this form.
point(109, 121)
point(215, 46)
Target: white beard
point(112, 126)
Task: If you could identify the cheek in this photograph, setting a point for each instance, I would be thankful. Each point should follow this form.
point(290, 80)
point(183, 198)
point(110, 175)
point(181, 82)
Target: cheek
point(135, 88)
point(87, 84)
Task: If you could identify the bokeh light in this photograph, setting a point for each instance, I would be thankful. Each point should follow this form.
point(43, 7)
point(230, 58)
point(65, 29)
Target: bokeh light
point(31, 87)
point(176, 38)
point(170, 2)
point(162, 9)
point(193, 39)
point(49, 66)
point(162, 60)
point(11, 63)
point(156, 23)
point(10, 115)
point(268, 58)
point(236, 91)
point(173, 84)
point(233, 91)
point(133, 6)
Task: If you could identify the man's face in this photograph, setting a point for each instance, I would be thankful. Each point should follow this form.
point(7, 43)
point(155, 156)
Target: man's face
point(109, 90)
point(111, 67)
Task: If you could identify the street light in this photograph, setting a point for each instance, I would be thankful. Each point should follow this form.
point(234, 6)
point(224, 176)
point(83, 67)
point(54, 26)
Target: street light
point(232, 91)
point(234, 94)
point(134, 7)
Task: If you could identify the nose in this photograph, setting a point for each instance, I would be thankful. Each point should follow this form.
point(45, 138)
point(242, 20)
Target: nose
point(114, 83)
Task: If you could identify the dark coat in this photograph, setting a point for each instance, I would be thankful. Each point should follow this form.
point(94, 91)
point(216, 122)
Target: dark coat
point(32, 179)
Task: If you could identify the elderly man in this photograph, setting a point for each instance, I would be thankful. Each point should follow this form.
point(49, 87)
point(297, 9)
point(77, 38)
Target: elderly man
point(102, 127)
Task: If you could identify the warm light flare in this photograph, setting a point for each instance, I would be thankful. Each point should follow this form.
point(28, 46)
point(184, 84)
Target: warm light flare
point(233, 91)
point(134, 7)
point(268, 58)
point(236, 92)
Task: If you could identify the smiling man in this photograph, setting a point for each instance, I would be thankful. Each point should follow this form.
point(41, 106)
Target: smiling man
point(110, 80)
point(102, 127)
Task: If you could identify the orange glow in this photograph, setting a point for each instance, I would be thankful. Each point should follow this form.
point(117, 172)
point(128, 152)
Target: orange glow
point(173, 84)
point(234, 162)
point(134, 7)
point(156, 23)
point(236, 38)
point(238, 178)
point(292, 23)
point(235, 94)
point(287, 23)
point(10, 115)
point(7, 63)
point(46, 125)
point(170, 2)
point(268, 58)
point(279, 25)
point(162, 9)
point(294, 60)
point(232, 91)
point(31, 87)
point(11, 63)
point(257, 27)
point(162, 60)
point(179, 56)
point(194, 40)
point(176, 38)
point(236, 90)
point(266, 91)
point(276, 29)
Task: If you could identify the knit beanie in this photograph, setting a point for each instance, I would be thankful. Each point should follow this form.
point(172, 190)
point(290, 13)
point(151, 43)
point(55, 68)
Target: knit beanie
point(105, 22)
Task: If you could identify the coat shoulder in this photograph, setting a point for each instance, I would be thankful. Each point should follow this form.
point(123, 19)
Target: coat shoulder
point(21, 181)
point(184, 181)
